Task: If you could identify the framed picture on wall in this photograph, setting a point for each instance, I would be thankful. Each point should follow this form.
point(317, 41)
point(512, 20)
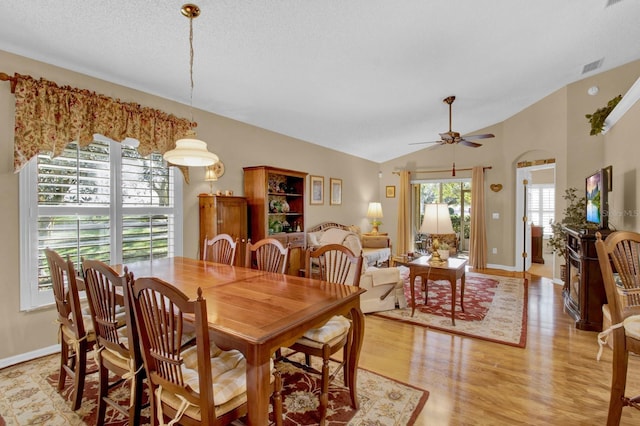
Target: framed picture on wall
point(391, 191)
point(336, 191)
point(316, 184)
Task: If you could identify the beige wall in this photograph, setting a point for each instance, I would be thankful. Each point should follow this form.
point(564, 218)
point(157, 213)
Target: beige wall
point(236, 144)
point(554, 127)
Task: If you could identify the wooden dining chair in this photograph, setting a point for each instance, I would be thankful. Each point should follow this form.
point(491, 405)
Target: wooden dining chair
point(334, 263)
point(620, 251)
point(199, 385)
point(117, 351)
point(75, 329)
point(220, 249)
point(268, 255)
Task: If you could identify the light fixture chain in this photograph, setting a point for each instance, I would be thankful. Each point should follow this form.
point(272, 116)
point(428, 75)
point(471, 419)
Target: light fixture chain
point(191, 64)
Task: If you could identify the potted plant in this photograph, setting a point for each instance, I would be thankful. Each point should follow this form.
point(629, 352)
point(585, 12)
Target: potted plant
point(597, 118)
point(574, 217)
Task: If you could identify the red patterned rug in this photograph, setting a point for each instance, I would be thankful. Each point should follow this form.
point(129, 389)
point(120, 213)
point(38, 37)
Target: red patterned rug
point(495, 307)
point(29, 396)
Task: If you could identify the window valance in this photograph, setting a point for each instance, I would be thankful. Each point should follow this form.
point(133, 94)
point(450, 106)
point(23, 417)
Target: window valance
point(48, 117)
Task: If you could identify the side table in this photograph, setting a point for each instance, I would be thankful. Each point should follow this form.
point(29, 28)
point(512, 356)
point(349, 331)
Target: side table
point(451, 270)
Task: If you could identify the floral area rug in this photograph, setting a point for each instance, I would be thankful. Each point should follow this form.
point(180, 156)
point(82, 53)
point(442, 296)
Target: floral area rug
point(29, 396)
point(495, 308)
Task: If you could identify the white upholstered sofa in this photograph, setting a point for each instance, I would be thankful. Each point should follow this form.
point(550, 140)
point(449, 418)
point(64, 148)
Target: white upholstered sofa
point(384, 285)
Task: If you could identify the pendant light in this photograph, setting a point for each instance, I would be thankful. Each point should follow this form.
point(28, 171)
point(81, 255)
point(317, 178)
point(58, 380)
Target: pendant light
point(190, 151)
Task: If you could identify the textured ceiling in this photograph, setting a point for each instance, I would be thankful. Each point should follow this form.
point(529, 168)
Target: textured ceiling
point(365, 77)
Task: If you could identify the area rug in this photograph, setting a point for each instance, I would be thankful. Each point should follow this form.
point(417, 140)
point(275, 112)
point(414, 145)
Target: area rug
point(29, 397)
point(495, 308)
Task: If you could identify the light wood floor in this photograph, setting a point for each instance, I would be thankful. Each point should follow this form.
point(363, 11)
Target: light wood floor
point(555, 380)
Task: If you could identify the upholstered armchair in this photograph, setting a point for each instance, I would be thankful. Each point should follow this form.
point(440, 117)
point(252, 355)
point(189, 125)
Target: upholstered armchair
point(384, 285)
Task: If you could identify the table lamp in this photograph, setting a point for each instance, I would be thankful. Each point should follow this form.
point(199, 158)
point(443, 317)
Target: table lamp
point(374, 213)
point(436, 221)
point(210, 176)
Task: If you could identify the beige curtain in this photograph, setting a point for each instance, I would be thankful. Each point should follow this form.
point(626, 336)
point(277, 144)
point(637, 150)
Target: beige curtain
point(478, 237)
point(48, 117)
point(404, 241)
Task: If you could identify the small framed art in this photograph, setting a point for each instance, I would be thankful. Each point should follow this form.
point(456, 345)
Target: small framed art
point(391, 191)
point(336, 191)
point(316, 184)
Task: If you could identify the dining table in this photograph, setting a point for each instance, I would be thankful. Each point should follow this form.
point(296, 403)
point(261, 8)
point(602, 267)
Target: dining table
point(259, 312)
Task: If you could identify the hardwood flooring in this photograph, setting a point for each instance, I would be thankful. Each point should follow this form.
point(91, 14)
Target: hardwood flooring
point(555, 380)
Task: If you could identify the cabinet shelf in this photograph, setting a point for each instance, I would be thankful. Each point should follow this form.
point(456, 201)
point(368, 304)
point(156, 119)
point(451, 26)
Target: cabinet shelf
point(286, 194)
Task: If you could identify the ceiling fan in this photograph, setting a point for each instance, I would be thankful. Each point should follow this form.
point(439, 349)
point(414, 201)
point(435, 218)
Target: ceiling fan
point(452, 137)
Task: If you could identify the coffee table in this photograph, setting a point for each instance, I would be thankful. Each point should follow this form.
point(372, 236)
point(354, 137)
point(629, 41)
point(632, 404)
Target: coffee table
point(452, 269)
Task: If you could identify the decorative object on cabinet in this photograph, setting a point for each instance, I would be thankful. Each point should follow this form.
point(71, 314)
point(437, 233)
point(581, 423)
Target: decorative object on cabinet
point(224, 215)
point(190, 151)
point(316, 186)
point(210, 176)
point(374, 212)
point(391, 191)
point(335, 185)
point(276, 208)
point(496, 187)
point(583, 290)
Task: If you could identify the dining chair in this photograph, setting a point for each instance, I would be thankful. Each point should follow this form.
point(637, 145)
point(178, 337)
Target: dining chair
point(220, 249)
point(75, 328)
point(334, 263)
point(199, 385)
point(620, 251)
point(268, 255)
point(117, 351)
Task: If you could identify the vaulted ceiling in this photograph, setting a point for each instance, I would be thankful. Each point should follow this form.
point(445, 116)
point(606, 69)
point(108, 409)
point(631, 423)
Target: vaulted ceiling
point(365, 77)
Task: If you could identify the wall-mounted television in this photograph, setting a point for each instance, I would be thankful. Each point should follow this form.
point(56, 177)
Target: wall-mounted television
point(597, 187)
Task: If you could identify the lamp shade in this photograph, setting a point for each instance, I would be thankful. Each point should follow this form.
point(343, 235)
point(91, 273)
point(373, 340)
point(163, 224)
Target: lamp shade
point(436, 220)
point(375, 210)
point(210, 174)
point(190, 151)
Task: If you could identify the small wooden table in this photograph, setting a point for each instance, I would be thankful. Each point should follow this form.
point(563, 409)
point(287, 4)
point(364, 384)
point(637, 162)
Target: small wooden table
point(451, 269)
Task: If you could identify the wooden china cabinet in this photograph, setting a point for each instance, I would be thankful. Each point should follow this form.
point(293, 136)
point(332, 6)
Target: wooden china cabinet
point(224, 215)
point(276, 208)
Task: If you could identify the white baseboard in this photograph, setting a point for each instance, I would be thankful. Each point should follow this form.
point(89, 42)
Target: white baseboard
point(28, 356)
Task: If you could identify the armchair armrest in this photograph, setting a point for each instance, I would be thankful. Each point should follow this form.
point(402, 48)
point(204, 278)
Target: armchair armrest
point(381, 276)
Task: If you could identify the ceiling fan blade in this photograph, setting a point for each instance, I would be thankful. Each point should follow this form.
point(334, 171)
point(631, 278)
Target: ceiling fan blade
point(483, 136)
point(469, 143)
point(425, 143)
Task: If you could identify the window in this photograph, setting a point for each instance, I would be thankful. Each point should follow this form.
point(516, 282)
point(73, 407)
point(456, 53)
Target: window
point(540, 206)
point(455, 193)
point(104, 202)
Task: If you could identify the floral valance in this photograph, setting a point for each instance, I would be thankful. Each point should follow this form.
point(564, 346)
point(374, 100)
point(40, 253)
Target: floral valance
point(48, 117)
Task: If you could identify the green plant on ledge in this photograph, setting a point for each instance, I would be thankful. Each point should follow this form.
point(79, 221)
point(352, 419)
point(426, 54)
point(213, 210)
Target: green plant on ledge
point(597, 118)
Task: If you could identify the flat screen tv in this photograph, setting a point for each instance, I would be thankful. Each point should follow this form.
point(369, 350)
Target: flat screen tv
point(597, 191)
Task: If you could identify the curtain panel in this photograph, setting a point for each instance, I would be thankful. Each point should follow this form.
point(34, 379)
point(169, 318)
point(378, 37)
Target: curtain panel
point(478, 237)
point(404, 243)
point(49, 116)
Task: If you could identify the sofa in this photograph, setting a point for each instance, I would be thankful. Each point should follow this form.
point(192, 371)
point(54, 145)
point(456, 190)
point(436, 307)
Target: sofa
point(376, 249)
point(384, 285)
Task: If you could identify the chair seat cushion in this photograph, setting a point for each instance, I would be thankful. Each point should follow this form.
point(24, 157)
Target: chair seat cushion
point(337, 326)
point(632, 326)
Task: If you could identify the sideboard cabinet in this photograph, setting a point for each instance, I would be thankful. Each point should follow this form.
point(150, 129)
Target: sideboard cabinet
point(224, 215)
point(583, 290)
point(276, 200)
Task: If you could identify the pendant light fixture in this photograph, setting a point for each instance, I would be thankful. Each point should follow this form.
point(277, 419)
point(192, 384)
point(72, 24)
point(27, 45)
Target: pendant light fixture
point(190, 151)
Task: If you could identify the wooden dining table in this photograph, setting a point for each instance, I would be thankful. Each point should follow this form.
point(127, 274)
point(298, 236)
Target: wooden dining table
point(258, 312)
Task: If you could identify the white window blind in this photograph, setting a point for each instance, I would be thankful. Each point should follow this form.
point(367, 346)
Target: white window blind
point(102, 202)
point(540, 206)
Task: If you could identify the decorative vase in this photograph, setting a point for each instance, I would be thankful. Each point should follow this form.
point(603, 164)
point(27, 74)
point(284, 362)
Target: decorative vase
point(444, 254)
